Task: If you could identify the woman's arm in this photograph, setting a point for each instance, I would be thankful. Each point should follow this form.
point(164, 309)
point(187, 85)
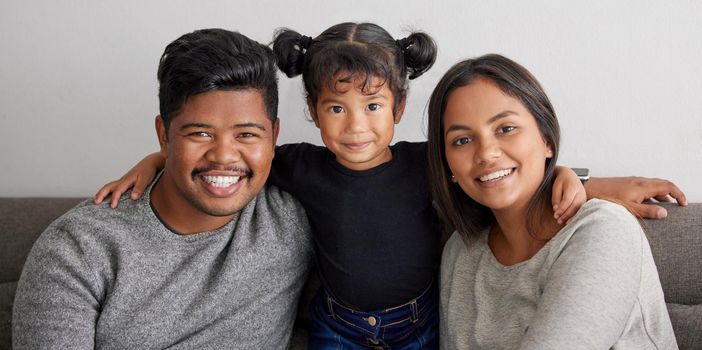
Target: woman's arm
point(593, 284)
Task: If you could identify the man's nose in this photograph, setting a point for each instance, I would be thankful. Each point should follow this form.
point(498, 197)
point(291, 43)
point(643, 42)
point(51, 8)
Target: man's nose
point(224, 151)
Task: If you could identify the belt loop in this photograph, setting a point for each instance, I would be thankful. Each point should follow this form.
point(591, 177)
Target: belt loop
point(413, 306)
point(330, 307)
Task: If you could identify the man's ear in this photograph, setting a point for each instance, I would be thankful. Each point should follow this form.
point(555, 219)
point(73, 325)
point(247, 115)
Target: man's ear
point(313, 112)
point(399, 110)
point(276, 130)
point(162, 135)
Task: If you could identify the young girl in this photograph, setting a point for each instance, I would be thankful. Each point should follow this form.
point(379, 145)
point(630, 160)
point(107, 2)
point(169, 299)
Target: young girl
point(591, 283)
point(376, 234)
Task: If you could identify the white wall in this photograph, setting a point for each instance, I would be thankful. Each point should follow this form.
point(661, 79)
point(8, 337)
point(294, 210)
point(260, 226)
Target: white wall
point(78, 83)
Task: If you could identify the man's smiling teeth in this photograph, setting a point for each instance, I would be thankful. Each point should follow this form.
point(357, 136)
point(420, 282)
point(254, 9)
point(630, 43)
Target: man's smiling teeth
point(496, 175)
point(221, 181)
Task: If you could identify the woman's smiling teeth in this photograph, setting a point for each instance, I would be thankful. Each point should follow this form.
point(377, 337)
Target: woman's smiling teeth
point(496, 175)
point(221, 181)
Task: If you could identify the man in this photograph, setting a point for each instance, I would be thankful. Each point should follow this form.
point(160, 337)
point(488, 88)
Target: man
point(210, 257)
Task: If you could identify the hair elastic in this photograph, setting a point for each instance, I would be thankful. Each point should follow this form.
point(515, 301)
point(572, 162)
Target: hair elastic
point(403, 43)
point(305, 42)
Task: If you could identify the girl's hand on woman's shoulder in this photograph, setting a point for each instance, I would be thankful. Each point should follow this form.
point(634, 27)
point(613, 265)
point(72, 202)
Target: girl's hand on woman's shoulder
point(137, 178)
point(568, 194)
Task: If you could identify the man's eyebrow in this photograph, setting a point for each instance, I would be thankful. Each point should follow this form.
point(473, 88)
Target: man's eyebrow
point(235, 126)
point(249, 125)
point(196, 125)
point(498, 116)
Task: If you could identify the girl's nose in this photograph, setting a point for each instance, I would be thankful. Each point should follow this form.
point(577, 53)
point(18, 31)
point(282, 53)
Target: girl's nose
point(355, 122)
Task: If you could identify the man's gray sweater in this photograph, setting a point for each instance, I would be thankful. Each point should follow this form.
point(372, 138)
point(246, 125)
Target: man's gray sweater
point(120, 279)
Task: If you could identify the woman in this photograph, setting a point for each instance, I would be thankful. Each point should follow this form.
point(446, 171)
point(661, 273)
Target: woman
point(511, 276)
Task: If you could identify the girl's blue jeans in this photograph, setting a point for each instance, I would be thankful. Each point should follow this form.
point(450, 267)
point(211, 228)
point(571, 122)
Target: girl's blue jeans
point(413, 325)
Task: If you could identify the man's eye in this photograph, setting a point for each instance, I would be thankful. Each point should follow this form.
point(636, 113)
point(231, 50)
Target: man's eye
point(200, 134)
point(462, 141)
point(337, 109)
point(247, 134)
point(373, 106)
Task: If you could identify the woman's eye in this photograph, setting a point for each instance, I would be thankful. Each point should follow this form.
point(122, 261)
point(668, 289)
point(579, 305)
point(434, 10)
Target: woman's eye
point(462, 141)
point(506, 129)
point(337, 109)
point(373, 107)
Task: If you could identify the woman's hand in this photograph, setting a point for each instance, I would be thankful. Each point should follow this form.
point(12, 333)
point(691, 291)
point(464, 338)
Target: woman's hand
point(137, 178)
point(636, 193)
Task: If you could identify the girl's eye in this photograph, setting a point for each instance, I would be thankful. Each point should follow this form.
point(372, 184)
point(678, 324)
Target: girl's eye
point(337, 109)
point(373, 106)
point(462, 141)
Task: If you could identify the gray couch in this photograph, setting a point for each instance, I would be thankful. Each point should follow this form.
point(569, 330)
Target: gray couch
point(676, 243)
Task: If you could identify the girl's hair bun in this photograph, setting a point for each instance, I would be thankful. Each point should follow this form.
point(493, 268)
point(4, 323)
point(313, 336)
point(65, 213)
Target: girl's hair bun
point(289, 48)
point(419, 51)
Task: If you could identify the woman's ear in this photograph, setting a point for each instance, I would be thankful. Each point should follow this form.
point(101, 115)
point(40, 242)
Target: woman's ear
point(162, 134)
point(313, 112)
point(549, 150)
point(399, 110)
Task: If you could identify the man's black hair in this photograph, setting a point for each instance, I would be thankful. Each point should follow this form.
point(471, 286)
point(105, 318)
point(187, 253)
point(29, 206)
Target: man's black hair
point(215, 59)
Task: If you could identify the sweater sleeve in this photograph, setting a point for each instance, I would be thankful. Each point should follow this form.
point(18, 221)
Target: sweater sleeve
point(592, 286)
point(56, 304)
point(447, 329)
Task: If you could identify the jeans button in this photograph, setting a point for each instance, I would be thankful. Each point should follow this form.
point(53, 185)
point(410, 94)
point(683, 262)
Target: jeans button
point(372, 321)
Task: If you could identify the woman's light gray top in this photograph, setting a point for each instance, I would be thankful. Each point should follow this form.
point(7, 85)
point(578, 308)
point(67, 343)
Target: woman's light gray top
point(592, 286)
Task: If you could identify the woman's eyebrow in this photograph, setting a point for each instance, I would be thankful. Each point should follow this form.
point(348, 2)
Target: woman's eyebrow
point(496, 117)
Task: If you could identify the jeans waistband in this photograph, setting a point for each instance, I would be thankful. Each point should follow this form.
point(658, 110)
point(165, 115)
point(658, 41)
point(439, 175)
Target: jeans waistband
point(409, 312)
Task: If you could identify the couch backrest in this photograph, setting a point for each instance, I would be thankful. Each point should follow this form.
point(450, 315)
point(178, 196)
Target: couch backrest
point(676, 243)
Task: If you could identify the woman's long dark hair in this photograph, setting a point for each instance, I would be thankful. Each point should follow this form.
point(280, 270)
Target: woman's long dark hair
point(457, 210)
